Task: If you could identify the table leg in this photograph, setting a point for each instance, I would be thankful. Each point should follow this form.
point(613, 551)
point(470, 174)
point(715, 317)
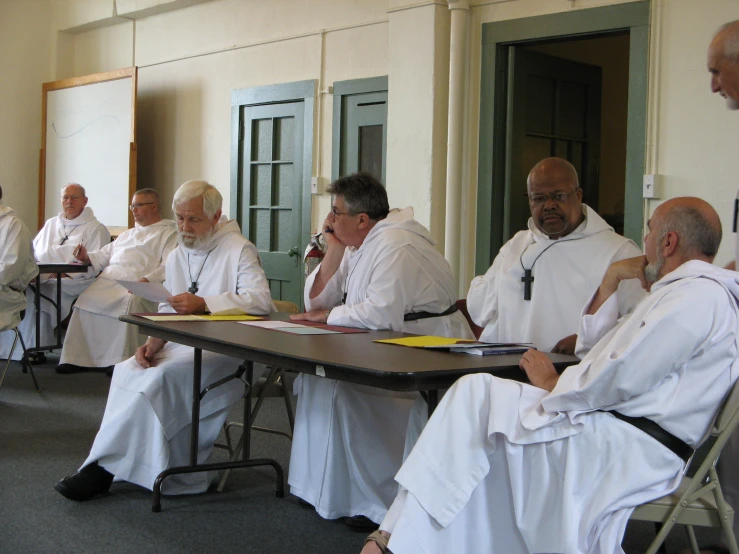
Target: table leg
point(37, 304)
point(58, 309)
point(195, 422)
point(432, 399)
point(246, 437)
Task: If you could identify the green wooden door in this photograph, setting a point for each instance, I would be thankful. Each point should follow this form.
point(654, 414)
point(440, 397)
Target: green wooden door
point(270, 192)
point(554, 110)
point(364, 134)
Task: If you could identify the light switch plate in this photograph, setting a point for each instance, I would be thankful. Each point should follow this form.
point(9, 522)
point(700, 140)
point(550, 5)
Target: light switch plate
point(651, 186)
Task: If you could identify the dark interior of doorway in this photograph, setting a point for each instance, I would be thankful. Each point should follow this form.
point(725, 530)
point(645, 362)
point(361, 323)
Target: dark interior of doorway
point(610, 52)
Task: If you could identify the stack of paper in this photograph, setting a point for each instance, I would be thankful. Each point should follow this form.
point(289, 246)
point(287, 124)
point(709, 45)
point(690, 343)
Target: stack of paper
point(288, 327)
point(460, 345)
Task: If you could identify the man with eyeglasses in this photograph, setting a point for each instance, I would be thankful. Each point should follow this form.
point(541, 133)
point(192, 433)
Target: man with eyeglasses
point(541, 279)
point(95, 338)
point(381, 271)
point(55, 243)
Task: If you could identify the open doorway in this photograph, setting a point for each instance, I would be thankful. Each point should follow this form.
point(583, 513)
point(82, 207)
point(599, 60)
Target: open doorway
point(572, 85)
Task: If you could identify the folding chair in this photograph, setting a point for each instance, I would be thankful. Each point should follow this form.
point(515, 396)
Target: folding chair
point(698, 501)
point(24, 360)
point(273, 385)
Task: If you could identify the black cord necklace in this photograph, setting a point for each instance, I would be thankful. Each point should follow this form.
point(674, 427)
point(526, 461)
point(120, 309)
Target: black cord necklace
point(66, 234)
point(346, 283)
point(194, 286)
point(528, 278)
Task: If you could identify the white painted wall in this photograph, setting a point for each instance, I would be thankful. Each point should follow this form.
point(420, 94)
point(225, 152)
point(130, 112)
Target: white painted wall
point(25, 63)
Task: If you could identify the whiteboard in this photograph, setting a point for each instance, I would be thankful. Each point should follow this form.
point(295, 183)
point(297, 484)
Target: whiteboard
point(89, 129)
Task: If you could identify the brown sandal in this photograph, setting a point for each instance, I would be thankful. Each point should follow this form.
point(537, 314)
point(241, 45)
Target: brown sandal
point(380, 540)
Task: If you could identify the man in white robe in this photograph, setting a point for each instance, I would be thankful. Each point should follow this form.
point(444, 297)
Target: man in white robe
point(723, 65)
point(17, 266)
point(381, 266)
point(567, 249)
point(55, 243)
point(146, 426)
point(95, 338)
point(509, 467)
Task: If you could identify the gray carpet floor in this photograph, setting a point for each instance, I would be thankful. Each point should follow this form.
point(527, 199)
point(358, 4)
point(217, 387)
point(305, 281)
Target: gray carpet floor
point(44, 437)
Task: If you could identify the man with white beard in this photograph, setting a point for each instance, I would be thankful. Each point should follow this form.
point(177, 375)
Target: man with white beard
point(146, 426)
point(55, 243)
point(535, 290)
point(381, 271)
point(560, 464)
point(95, 337)
point(17, 266)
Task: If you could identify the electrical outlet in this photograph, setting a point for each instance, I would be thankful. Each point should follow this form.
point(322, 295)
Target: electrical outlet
point(651, 188)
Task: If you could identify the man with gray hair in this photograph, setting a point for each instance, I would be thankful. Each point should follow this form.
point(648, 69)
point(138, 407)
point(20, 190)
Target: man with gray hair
point(76, 224)
point(381, 271)
point(723, 65)
point(95, 338)
point(145, 429)
point(558, 465)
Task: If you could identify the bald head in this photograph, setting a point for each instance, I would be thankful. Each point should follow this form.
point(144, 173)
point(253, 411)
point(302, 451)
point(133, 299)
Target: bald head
point(555, 197)
point(696, 224)
point(723, 63)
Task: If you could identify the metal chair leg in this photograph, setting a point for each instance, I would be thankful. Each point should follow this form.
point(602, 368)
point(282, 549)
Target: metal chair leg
point(25, 362)
point(10, 357)
point(694, 548)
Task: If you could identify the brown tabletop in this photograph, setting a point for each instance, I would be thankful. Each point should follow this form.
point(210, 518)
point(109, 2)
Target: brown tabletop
point(346, 357)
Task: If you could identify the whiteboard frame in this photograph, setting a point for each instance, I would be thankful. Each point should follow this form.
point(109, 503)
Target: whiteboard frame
point(124, 73)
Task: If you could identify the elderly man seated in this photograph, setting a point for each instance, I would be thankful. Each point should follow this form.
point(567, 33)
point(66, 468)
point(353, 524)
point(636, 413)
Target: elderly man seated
point(381, 271)
point(560, 464)
point(17, 266)
point(76, 224)
point(95, 338)
point(145, 429)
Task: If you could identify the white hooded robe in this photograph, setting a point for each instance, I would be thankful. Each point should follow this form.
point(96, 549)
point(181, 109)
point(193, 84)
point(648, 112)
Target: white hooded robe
point(17, 267)
point(349, 439)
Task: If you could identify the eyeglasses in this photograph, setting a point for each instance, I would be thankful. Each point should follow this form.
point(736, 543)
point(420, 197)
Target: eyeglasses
point(557, 198)
point(73, 198)
point(336, 212)
point(132, 207)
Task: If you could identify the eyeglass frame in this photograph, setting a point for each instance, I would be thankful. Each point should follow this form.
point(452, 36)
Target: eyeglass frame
point(541, 199)
point(72, 197)
point(132, 207)
point(336, 212)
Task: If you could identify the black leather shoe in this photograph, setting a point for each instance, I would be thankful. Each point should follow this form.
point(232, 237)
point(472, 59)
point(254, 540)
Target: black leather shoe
point(87, 483)
point(70, 368)
point(361, 524)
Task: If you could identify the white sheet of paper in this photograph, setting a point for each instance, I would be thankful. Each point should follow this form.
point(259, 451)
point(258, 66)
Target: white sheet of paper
point(151, 291)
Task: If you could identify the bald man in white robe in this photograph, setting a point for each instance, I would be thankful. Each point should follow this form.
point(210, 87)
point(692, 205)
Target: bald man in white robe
point(545, 467)
point(55, 243)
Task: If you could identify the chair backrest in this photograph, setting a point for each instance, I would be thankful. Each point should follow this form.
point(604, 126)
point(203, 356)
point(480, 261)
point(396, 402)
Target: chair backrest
point(462, 305)
point(285, 307)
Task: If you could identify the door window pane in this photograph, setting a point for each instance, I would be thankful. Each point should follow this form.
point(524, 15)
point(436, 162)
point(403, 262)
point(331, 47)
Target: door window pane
point(284, 185)
point(370, 150)
point(261, 185)
point(539, 105)
point(284, 138)
point(261, 140)
point(573, 107)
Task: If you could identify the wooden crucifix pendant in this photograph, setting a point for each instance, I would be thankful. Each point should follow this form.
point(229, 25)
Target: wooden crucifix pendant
point(527, 279)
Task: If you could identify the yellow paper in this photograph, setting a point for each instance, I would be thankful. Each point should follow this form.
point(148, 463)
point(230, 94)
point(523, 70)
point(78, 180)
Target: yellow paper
point(242, 317)
point(173, 317)
point(423, 341)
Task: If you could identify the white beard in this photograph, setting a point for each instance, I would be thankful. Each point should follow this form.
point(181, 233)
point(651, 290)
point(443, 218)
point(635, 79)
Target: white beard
point(195, 242)
point(651, 272)
point(732, 104)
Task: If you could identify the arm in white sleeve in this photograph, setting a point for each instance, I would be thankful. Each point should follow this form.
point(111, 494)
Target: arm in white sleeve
point(100, 259)
point(97, 239)
point(594, 327)
point(387, 298)
point(331, 294)
point(642, 351)
point(13, 258)
point(482, 298)
point(252, 293)
point(630, 292)
point(157, 276)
